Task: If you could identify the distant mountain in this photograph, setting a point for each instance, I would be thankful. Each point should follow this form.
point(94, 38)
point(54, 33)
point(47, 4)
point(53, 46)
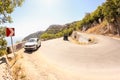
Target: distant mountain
point(34, 35)
point(53, 29)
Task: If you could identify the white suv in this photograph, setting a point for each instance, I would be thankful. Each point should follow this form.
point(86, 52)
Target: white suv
point(32, 44)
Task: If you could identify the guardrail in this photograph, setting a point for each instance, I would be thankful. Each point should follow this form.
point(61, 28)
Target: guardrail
point(16, 47)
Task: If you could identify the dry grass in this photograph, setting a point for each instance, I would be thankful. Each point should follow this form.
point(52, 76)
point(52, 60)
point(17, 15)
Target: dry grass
point(100, 28)
point(18, 71)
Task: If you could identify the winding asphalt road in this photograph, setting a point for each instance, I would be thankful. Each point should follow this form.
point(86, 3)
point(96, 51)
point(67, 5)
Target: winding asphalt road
point(100, 61)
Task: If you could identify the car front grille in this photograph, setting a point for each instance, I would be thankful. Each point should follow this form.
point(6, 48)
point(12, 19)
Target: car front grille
point(29, 45)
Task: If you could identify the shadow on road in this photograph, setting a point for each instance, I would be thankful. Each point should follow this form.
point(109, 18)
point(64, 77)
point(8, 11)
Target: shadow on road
point(29, 51)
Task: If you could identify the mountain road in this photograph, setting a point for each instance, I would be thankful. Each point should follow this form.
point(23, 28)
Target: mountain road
point(63, 60)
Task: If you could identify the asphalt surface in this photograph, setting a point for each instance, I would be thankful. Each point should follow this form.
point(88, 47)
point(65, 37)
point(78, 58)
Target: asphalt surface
point(99, 61)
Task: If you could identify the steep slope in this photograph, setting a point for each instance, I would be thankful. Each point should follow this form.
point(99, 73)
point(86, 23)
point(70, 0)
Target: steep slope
point(98, 29)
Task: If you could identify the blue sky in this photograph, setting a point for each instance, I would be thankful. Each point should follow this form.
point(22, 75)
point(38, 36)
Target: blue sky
point(36, 15)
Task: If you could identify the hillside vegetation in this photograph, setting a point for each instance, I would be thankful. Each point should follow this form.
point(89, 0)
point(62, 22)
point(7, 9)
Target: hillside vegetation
point(104, 20)
point(6, 8)
point(3, 42)
point(56, 31)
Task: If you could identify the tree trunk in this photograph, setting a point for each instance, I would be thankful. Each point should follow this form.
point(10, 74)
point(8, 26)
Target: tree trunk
point(109, 28)
point(118, 25)
point(118, 29)
point(112, 28)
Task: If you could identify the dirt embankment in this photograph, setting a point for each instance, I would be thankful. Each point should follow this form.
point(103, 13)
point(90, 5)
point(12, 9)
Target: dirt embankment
point(104, 29)
point(12, 68)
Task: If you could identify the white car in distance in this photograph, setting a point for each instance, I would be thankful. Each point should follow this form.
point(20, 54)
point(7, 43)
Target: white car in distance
point(32, 44)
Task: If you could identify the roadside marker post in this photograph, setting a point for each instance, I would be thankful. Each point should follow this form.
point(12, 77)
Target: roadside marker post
point(9, 33)
point(12, 46)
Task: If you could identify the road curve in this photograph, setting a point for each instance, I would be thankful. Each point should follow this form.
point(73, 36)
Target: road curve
point(100, 61)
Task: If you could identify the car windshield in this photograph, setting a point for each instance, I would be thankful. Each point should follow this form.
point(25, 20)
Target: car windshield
point(32, 40)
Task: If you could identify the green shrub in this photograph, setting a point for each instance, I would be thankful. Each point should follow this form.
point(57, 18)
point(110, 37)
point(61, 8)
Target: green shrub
point(3, 42)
